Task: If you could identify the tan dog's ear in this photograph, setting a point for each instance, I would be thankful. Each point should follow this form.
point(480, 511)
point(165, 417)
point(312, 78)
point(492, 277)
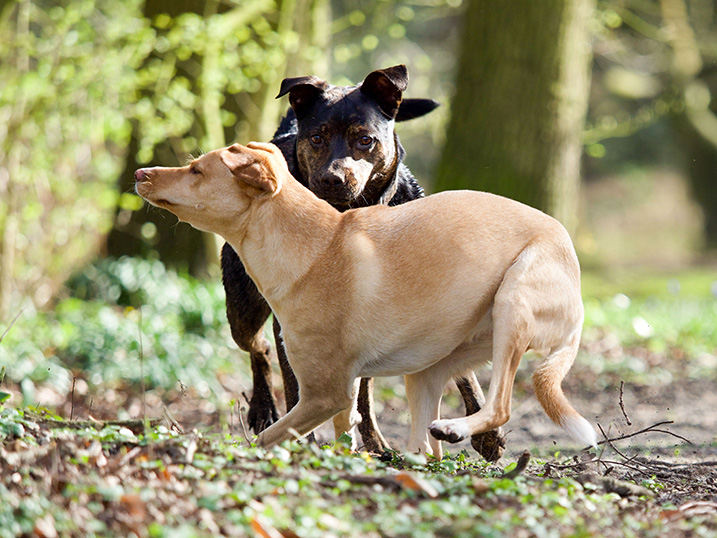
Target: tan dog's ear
point(249, 166)
point(275, 152)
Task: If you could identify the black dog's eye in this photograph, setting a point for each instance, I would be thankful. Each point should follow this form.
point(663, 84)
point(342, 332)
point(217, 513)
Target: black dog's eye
point(316, 139)
point(365, 141)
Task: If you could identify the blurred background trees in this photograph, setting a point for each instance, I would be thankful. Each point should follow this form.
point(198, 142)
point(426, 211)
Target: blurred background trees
point(521, 98)
point(92, 89)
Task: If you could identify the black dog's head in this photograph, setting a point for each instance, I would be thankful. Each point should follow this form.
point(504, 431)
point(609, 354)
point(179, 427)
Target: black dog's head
point(346, 147)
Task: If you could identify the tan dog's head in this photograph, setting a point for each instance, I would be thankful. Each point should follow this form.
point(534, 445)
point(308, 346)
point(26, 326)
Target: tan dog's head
point(213, 191)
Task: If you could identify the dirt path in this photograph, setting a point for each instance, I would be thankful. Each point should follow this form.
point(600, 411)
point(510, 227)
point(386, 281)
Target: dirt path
point(691, 405)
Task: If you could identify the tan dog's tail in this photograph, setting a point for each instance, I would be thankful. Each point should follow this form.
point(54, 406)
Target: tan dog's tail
point(547, 380)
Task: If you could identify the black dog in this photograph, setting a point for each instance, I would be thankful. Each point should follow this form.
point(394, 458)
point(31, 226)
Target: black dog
point(340, 143)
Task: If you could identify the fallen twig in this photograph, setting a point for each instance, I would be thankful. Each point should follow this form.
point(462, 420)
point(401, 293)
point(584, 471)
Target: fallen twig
point(649, 429)
point(243, 426)
point(7, 330)
point(520, 466)
point(622, 404)
point(72, 399)
point(613, 485)
point(134, 425)
point(172, 421)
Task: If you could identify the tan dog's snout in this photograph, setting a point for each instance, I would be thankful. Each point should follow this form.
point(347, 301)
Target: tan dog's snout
point(141, 175)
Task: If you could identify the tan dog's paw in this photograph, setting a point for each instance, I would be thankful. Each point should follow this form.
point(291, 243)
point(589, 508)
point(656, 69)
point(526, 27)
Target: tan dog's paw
point(452, 431)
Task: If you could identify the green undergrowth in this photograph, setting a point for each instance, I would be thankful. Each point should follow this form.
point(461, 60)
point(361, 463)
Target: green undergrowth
point(649, 329)
point(125, 321)
point(112, 481)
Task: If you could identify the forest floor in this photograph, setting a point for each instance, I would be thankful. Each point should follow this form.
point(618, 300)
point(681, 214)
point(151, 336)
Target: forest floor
point(663, 431)
point(84, 478)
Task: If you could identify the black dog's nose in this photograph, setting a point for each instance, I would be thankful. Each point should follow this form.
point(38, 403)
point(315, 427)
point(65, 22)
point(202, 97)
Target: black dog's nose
point(331, 180)
point(141, 175)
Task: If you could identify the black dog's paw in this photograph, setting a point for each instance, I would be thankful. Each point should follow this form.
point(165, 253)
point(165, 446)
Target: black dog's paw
point(490, 445)
point(262, 414)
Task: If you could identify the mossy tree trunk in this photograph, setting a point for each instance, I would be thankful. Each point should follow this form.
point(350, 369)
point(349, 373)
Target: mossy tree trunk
point(521, 97)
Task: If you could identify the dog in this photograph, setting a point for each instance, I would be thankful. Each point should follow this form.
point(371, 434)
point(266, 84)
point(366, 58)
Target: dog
point(358, 293)
point(339, 142)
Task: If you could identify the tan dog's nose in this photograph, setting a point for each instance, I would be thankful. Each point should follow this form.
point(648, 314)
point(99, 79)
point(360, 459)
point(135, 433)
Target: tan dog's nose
point(141, 175)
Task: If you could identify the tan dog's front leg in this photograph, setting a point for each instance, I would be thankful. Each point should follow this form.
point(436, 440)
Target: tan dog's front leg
point(347, 420)
point(320, 401)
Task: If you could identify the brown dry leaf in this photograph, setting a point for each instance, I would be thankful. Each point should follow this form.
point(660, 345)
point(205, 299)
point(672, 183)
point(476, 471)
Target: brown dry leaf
point(45, 527)
point(480, 486)
point(409, 481)
point(134, 506)
point(264, 530)
point(164, 475)
point(690, 509)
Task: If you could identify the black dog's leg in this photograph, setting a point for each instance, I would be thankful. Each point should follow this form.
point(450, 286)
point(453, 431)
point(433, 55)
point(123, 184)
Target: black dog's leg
point(490, 444)
point(247, 312)
point(291, 385)
point(370, 434)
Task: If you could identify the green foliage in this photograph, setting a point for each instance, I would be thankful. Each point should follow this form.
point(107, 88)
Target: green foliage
point(4, 396)
point(125, 313)
point(217, 485)
point(657, 331)
point(80, 78)
point(67, 69)
point(207, 74)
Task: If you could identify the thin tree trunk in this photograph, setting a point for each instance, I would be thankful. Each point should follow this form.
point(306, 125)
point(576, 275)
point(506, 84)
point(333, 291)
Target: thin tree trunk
point(520, 103)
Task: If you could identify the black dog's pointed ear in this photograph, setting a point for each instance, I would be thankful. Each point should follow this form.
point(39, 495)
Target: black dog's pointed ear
point(415, 108)
point(302, 91)
point(387, 87)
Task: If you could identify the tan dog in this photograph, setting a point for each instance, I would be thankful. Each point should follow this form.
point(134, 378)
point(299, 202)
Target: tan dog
point(429, 290)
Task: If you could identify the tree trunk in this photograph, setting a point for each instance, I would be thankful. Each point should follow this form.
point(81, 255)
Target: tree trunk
point(697, 124)
point(521, 97)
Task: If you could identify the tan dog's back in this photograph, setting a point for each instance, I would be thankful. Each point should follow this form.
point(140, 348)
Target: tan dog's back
point(433, 267)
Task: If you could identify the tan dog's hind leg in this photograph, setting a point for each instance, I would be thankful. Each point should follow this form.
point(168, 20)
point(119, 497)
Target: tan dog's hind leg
point(540, 280)
point(513, 329)
point(508, 348)
point(423, 392)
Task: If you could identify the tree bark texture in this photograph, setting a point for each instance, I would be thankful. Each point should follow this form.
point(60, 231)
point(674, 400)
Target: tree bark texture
point(521, 98)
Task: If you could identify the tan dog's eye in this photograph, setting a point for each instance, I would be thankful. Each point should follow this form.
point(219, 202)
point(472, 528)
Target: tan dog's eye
point(194, 170)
